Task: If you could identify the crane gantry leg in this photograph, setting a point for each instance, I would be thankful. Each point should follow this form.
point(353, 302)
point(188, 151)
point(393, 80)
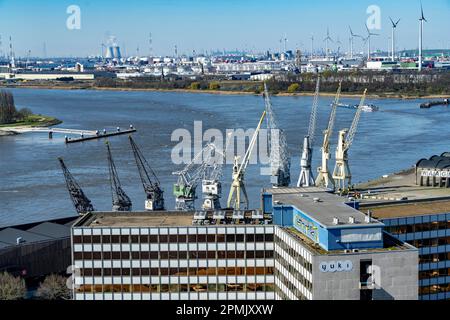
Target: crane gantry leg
point(341, 174)
point(306, 178)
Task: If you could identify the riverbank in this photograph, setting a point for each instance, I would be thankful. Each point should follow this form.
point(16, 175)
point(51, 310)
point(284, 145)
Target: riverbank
point(226, 92)
point(32, 121)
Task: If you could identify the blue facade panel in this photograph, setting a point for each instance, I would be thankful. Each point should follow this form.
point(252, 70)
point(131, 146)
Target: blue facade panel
point(267, 204)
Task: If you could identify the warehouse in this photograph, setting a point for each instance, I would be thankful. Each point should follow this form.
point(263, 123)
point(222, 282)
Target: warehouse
point(434, 172)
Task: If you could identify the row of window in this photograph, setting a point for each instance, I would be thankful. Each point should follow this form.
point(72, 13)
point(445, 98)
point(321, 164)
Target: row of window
point(174, 238)
point(433, 242)
point(293, 271)
point(283, 296)
point(438, 288)
point(176, 288)
point(180, 255)
point(419, 227)
point(293, 253)
point(197, 271)
point(434, 273)
point(437, 257)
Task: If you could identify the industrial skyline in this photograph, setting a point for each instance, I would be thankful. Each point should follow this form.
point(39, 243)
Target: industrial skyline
point(39, 29)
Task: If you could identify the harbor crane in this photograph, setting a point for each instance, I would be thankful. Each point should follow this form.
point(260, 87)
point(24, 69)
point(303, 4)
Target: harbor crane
point(341, 174)
point(81, 202)
point(306, 178)
point(211, 185)
point(237, 185)
point(280, 162)
point(120, 200)
point(150, 182)
point(324, 178)
point(188, 179)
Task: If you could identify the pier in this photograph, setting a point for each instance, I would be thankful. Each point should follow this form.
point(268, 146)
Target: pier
point(98, 135)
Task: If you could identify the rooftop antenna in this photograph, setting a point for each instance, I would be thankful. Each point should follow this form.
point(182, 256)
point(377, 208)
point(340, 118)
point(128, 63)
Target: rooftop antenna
point(312, 46)
point(150, 45)
point(421, 21)
point(367, 40)
point(176, 51)
point(394, 26)
point(327, 39)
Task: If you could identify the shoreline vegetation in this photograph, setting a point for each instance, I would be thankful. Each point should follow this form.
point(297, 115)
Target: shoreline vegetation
point(12, 119)
point(380, 85)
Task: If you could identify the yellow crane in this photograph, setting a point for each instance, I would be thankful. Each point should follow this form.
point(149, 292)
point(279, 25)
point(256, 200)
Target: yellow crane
point(237, 185)
point(324, 178)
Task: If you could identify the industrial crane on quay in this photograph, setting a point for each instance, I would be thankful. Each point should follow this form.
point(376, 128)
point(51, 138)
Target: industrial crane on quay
point(120, 200)
point(211, 185)
point(237, 185)
point(306, 178)
point(280, 162)
point(341, 174)
point(150, 182)
point(188, 179)
point(80, 201)
point(324, 178)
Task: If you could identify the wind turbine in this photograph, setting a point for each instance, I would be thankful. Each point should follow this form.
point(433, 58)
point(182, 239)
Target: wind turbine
point(394, 26)
point(327, 39)
point(352, 36)
point(421, 20)
point(367, 40)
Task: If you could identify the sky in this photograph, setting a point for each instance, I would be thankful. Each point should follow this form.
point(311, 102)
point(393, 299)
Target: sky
point(40, 26)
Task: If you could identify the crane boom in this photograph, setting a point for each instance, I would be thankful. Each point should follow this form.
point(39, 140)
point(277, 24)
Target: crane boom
point(280, 162)
point(80, 201)
point(313, 117)
point(120, 200)
point(354, 126)
point(150, 182)
point(237, 185)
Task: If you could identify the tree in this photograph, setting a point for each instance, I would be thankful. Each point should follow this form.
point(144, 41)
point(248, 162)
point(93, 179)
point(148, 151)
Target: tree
point(7, 107)
point(23, 113)
point(11, 288)
point(293, 88)
point(214, 86)
point(195, 85)
point(54, 287)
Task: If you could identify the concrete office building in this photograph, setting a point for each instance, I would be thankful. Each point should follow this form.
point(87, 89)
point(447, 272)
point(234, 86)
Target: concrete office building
point(417, 214)
point(327, 250)
point(162, 255)
point(287, 251)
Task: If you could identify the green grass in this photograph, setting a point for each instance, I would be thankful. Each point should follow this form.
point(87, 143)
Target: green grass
point(35, 120)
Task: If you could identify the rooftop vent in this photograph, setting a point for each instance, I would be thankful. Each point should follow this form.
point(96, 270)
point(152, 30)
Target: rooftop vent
point(335, 221)
point(351, 220)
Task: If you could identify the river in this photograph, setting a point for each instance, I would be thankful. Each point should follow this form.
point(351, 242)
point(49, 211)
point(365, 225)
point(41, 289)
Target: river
point(32, 185)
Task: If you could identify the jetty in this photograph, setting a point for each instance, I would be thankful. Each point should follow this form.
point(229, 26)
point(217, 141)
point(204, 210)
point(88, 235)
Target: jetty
point(428, 105)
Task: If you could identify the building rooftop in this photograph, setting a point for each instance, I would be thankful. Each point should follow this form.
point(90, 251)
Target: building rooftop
point(389, 244)
point(399, 187)
point(167, 218)
point(398, 195)
point(10, 236)
point(321, 206)
point(51, 229)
